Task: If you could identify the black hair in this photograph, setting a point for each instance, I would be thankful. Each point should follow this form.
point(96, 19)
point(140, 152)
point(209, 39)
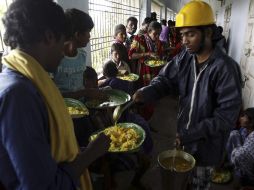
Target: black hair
point(220, 29)
point(119, 28)
point(78, 21)
point(154, 16)
point(119, 48)
point(217, 33)
point(133, 19)
point(26, 22)
point(147, 20)
point(90, 73)
point(163, 22)
point(110, 69)
point(153, 26)
point(249, 112)
point(171, 23)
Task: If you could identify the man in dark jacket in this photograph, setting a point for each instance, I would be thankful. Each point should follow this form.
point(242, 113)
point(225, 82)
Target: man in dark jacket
point(209, 88)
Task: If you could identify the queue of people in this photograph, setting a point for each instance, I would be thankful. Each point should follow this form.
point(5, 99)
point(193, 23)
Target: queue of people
point(38, 134)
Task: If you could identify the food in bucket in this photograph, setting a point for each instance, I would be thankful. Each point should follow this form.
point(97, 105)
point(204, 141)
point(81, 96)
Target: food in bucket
point(179, 164)
point(122, 138)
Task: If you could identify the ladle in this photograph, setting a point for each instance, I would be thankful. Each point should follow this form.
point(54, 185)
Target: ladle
point(119, 110)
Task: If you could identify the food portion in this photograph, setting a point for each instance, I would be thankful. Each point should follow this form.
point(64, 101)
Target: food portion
point(76, 108)
point(221, 176)
point(177, 163)
point(123, 139)
point(155, 63)
point(130, 77)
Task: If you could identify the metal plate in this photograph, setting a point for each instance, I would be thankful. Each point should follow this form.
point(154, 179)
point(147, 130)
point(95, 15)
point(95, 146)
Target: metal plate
point(140, 132)
point(115, 98)
point(221, 176)
point(76, 106)
point(130, 77)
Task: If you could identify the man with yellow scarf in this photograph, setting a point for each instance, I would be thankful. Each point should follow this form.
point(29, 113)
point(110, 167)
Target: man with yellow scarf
point(38, 149)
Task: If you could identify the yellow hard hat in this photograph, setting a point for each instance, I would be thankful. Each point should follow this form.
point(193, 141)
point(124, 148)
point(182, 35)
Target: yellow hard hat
point(195, 13)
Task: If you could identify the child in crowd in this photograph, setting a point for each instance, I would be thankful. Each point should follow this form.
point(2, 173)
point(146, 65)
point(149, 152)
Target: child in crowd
point(144, 27)
point(69, 75)
point(110, 72)
point(240, 148)
point(90, 78)
point(120, 38)
point(117, 54)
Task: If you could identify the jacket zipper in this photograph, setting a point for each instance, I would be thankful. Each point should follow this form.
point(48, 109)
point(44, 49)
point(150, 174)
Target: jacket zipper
point(194, 91)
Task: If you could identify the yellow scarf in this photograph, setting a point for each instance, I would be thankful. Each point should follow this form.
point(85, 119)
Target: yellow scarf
point(62, 138)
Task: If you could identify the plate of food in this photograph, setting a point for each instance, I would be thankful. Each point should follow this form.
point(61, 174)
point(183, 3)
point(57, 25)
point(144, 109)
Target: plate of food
point(114, 98)
point(129, 77)
point(155, 62)
point(125, 137)
point(76, 108)
point(221, 176)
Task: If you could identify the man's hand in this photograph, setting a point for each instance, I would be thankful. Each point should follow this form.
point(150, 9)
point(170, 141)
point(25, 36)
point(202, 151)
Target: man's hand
point(154, 55)
point(138, 97)
point(99, 145)
point(177, 141)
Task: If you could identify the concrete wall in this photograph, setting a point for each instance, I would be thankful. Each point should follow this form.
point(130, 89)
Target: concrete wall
point(235, 28)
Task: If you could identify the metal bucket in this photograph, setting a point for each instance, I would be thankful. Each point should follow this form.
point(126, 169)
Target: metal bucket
point(172, 179)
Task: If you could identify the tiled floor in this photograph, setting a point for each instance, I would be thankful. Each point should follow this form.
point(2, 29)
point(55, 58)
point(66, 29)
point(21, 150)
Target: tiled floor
point(163, 125)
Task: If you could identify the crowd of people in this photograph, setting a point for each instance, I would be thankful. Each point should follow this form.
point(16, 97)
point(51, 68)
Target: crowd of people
point(42, 147)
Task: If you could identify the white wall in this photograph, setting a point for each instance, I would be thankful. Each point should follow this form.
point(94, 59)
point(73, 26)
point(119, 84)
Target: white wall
point(237, 24)
point(237, 28)
point(81, 5)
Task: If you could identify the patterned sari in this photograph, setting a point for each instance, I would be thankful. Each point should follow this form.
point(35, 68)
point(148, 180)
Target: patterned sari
point(143, 44)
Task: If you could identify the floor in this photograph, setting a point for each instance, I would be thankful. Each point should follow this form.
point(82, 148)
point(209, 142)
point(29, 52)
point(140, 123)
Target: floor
point(163, 126)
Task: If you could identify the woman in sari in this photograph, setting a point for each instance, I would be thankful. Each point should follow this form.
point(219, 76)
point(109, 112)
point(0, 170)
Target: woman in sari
point(144, 47)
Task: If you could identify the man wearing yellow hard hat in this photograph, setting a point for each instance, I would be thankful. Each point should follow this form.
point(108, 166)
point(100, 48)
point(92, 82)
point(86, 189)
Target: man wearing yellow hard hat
point(209, 88)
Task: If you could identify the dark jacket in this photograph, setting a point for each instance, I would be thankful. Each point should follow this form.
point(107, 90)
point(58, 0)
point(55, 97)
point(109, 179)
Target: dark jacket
point(208, 108)
point(116, 83)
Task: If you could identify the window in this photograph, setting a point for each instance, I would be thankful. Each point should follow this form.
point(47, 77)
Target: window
point(156, 8)
point(106, 14)
point(3, 7)
point(170, 14)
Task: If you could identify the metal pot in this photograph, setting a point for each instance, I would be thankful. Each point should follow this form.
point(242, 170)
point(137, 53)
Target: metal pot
point(172, 179)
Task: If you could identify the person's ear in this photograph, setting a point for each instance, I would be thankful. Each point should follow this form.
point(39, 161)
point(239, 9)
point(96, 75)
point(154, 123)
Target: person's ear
point(76, 35)
point(49, 37)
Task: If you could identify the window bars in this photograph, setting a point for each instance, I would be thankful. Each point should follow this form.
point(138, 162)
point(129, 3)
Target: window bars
point(106, 14)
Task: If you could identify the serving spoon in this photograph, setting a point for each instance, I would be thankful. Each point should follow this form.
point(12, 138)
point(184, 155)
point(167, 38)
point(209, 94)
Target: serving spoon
point(119, 110)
